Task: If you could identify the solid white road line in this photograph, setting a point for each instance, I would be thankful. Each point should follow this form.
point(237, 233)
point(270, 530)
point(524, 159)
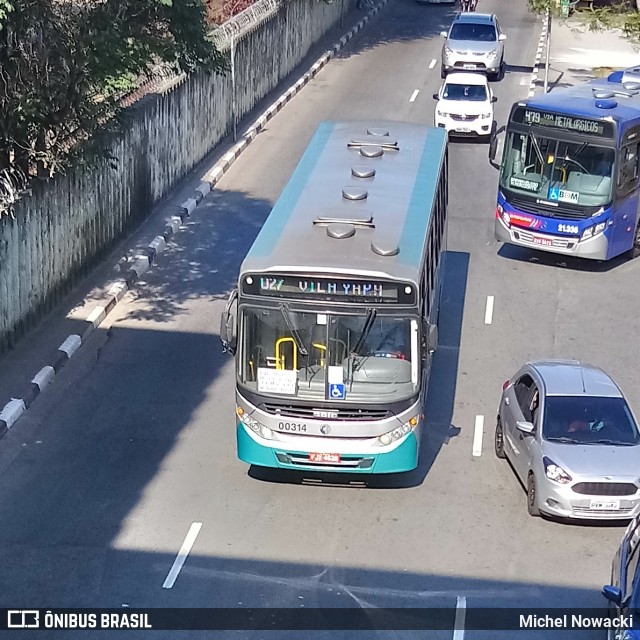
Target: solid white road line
point(488, 311)
point(414, 95)
point(194, 529)
point(477, 436)
point(432, 63)
point(461, 614)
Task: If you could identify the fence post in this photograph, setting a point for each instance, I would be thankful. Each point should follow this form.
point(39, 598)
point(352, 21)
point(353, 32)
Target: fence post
point(233, 85)
point(546, 62)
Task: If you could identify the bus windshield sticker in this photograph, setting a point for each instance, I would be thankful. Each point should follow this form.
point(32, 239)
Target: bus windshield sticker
point(336, 374)
point(277, 381)
point(523, 183)
point(561, 195)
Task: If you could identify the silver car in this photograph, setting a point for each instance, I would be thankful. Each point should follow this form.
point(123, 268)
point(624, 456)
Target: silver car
point(474, 42)
point(572, 440)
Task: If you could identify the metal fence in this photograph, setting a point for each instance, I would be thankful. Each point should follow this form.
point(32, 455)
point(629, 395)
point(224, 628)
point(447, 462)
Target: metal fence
point(243, 23)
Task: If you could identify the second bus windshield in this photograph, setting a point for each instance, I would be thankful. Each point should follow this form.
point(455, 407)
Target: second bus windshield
point(558, 171)
point(372, 352)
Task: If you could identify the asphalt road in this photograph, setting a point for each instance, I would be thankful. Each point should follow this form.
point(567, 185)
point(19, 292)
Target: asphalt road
point(134, 442)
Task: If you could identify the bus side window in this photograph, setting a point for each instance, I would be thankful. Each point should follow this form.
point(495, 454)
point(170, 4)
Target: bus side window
point(628, 171)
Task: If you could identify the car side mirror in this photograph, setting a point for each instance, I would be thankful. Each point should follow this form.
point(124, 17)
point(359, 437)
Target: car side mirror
point(525, 427)
point(436, 96)
point(443, 34)
point(494, 98)
point(612, 594)
point(502, 37)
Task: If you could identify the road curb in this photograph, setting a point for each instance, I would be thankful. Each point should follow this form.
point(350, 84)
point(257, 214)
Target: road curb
point(144, 258)
point(536, 65)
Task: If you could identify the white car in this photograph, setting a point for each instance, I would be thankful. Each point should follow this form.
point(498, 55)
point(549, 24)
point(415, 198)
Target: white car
point(465, 105)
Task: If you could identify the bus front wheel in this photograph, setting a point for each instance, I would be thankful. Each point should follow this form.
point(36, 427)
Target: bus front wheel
point(635, 249)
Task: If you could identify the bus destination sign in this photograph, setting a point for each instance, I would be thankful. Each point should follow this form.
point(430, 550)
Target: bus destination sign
point(564, 122)
point(328, 289)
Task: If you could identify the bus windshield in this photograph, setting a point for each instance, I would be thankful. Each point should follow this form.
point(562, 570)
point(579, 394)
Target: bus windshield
point(572, 173)
point(289, 352)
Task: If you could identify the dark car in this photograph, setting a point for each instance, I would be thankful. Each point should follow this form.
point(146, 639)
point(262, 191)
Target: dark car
point(623, 593)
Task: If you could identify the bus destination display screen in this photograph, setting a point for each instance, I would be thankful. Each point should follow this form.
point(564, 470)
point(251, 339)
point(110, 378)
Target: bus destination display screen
point(574, 124)
point(328, 289)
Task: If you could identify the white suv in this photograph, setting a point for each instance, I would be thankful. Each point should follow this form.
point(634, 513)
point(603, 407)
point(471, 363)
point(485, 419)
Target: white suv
point(465, 105)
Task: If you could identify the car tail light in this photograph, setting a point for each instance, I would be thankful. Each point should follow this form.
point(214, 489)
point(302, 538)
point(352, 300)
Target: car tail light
point(505, 384)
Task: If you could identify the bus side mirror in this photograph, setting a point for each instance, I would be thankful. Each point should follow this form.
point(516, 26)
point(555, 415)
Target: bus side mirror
point(228, 333)
point(430, 337)
point(493, 147)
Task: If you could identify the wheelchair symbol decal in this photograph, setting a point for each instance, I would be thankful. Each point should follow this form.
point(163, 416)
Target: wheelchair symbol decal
point(336, 391)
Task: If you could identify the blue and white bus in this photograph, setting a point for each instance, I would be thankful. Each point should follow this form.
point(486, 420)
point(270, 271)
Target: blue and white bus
point(335, 316)
point(569, 174)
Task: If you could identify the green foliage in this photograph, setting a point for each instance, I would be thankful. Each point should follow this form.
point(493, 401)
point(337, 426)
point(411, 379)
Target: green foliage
point(64, 64)
point(540, 6)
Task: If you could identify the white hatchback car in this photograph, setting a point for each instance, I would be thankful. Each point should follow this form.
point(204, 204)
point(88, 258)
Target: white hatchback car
point(465, 105)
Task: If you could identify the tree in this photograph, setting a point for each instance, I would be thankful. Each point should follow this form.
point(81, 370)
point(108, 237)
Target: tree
point(64, 64)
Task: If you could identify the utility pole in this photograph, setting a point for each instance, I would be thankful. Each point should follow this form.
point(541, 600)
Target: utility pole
point(546, 63)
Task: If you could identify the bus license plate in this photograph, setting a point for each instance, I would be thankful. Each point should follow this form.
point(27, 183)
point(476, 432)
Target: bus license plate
point(547, 242)
point(324, 457)
point(605, 505)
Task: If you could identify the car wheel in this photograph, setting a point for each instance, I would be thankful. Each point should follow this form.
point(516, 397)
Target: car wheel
point(498, 440)
point(532, 496)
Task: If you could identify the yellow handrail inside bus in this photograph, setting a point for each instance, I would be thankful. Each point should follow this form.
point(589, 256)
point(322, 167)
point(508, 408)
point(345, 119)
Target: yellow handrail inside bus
point(280, 359)
point(323, 350)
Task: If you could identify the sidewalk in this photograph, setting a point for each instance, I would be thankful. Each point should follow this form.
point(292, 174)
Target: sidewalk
point(578, 55)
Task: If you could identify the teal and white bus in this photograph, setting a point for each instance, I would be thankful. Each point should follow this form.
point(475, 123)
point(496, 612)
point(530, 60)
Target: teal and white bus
point(335, 316)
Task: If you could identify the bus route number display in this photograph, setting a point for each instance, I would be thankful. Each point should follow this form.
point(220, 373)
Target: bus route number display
point(331, 289)
point(564, 122)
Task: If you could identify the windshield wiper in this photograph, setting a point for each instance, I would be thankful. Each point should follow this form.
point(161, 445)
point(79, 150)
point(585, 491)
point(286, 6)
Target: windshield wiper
point(286, 314)
point(353, 353)
point(368, 323)
point(536, 148)
point(614, 442)
point(566, 440)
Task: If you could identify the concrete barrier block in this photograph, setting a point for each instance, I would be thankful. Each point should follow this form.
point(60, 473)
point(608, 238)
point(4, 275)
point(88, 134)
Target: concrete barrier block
point(12, 411)
point(97, 316)
point(70, 345)
point(158, 244)
point(188, 207)
point(203, 188)
point(140, 266)
point(44, 377)
point(118, 290)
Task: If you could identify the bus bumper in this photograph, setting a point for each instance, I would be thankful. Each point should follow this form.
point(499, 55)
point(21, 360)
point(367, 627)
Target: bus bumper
point(258, 451)
point(595, 248)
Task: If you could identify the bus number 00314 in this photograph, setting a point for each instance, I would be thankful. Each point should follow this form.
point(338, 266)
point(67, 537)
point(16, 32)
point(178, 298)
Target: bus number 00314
point(292, 426)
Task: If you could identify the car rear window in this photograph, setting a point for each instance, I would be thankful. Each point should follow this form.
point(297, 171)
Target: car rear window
point(473, 92)
point(479, 32)
point(589, 420)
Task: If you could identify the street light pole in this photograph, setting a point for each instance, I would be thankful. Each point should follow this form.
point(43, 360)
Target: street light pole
point(546, 63)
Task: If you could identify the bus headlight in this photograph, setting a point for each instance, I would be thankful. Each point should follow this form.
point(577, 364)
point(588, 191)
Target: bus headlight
point(399, 432)
point(253, 424)
point(506, 218)
point(592, 231)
